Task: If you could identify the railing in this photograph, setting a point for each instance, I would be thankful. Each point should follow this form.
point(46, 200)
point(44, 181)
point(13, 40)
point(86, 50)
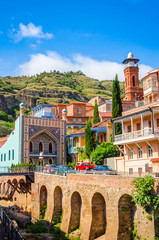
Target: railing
point(131, 135)
point(11, 231)
point(31, 169)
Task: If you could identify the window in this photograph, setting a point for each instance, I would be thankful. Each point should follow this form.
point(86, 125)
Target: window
point(128, 108)
point(1, 157)
point(79, 120)
point(130, 170)
point(79, 110)
point(4, 156)
point(149, 151)
point(74, 120)
point(130, 153)
point(158, 122)
point(138, 126)
point(13, 154)
point(140, 152)
point(149, 124)
point(40, 147)
point(50, 147)
point(9, 155)
point(139, 170)
point(129, 128)
point(146, 167)
point(31, 147)
point(133, 79)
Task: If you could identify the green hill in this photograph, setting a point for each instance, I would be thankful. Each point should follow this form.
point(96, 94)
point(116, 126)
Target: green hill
point(53, 88)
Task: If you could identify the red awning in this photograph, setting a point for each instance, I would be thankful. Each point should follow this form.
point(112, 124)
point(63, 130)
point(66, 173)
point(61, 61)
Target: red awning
point(155, 160)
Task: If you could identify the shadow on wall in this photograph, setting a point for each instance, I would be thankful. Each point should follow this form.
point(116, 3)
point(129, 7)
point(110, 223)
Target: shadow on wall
point(98, 226)
point(126, 213)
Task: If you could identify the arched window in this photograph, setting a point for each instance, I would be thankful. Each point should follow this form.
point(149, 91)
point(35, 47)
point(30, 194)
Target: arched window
point(31, 147)
point(50, 147)
point(40, 147)
point(133, 79)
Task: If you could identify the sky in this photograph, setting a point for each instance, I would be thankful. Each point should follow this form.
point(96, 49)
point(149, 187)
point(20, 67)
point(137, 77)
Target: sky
point(91, 36)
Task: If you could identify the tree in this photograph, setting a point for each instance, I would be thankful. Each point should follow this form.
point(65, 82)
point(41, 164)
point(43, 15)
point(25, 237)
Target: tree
point(105, 150)
point(96, 113)
point(89, 138)
point(116, 104)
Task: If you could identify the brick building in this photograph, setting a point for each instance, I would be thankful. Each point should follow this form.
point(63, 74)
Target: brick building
point(140, 126)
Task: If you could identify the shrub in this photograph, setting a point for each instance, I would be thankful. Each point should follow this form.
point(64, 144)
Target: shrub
point(37, 227)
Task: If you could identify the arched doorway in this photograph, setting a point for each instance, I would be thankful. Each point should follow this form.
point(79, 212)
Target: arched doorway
point(98, 225)
point(57, 213)
point(126, 212)
point(50, 161)
point(43, 201)
point(76, 204)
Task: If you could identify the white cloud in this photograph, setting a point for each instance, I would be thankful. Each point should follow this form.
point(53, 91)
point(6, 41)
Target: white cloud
point(101, 70)
point(29, 31)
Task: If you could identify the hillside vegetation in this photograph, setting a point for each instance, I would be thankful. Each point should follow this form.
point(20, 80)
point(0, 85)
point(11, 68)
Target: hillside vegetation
point(52, 88)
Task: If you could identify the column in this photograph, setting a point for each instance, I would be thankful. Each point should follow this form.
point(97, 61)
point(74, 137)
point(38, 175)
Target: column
point(132, 127)
point(113, 132)
point(142, 132)
point(96, 139)
point(72, 141)
point(123, 130)
point(79, 141)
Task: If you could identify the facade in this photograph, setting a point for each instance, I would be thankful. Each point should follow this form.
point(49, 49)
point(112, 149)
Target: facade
point(35, 139)
point(102, 133)
point(140, 131)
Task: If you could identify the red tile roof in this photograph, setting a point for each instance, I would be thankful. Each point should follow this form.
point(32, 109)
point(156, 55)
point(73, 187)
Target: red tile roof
point(105, 114)
point(97, 125)
point(3, 140)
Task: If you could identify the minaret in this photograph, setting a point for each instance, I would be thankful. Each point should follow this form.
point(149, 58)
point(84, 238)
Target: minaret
point(64, 114)
point(131, 72)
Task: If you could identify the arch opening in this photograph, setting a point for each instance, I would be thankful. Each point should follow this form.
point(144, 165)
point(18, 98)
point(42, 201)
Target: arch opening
point(98, 226)
point(43, 201)
point(57, 212)
point(133, 79)
point(31, 147)
point(50, 147)
point(126, 212)
point(50, 161)
point(76, 204)
point(40, 147)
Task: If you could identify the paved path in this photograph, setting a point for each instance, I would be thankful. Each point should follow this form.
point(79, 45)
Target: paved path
point(2, 235)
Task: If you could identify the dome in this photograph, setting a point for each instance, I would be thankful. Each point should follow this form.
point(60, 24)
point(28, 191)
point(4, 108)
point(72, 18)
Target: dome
point(21, 104)
point(130, 55)
point(64, 110)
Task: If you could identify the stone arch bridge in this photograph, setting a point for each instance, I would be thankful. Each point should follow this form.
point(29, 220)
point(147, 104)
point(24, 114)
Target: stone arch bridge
point(100, 206)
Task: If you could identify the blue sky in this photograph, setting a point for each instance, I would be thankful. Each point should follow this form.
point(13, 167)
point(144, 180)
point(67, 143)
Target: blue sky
point(94, 36)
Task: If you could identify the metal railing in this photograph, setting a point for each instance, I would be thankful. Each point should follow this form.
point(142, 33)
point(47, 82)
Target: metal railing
point(11, 231)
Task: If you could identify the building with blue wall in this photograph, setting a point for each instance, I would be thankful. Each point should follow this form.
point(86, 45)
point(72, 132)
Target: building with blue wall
point(35, 139)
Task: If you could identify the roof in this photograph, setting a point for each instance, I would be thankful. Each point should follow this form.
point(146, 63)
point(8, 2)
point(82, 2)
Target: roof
point(154, 160)
point(41, 106)
point(105, 114)
point(130, 58)
point(151, 72)
point(3, 140)
point(97, 125)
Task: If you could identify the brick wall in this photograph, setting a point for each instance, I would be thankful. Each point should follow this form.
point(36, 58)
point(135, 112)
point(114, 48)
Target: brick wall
point(115, 190)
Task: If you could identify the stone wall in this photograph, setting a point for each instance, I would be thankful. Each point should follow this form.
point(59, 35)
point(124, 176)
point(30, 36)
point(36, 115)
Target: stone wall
point(100, 205)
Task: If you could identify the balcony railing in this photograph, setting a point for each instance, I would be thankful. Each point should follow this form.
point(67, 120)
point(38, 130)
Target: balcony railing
point(131, 135)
